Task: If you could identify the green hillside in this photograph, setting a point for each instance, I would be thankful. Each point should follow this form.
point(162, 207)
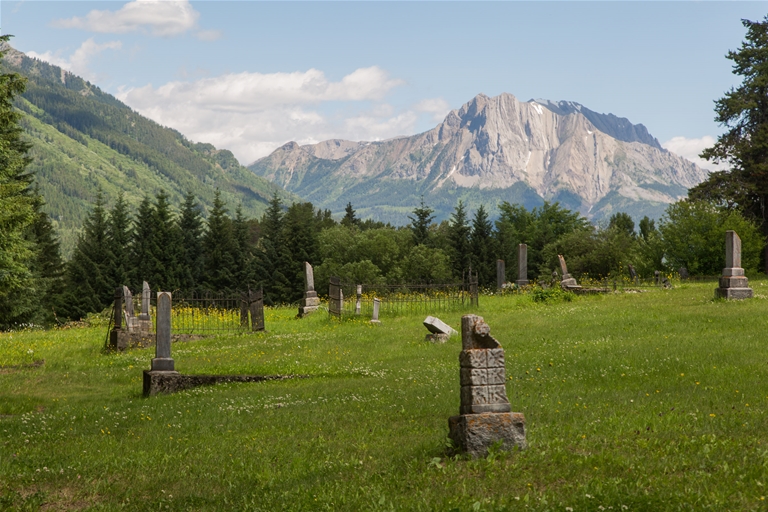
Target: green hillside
point(85, 140)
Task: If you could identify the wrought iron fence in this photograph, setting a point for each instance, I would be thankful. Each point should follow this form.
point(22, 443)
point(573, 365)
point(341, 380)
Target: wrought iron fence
point(348, 299)
point(201, 312)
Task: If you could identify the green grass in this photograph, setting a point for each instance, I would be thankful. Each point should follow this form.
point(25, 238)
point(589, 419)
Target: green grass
point(651, 401)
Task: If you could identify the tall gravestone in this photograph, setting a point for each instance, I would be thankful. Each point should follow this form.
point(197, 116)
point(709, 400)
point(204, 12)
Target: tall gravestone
point(568, 282)
point(310, 302)
point(485, 416)
point(501, 274)
point(131, 322)
point(334, 297)
point(358, 304)
point(256, 304)
point(632, 273)
point(733, 282)
point(522, 265)
point(375, 316)
point(145, 320)
point(163, 361)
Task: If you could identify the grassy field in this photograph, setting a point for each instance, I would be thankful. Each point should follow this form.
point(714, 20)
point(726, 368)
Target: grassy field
point(644, 401)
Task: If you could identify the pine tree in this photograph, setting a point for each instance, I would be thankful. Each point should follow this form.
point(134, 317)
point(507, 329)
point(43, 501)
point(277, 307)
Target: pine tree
point(165, 246)
point(47, 267)
point(142, 264)
point(276, 285)
point(350, 220)
point(17, 210)
point(119, 237)
point(243, 266)
point(88, 286)
point(458, 235)
point(219, 246)
point(191, 254)
point(299, 245)
point(420, 223)
point(483, 253)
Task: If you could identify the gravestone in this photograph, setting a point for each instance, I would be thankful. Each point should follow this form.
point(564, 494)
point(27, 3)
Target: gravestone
point(163, 361)
point(501, 274)
point(145, 321)
point(256, 305)
point(131, 322)
point(334, 296)
point(485, 416)
point(656, 277)
point(568, 282)
point(733, 282)
point(683, 273)
point(375, 316)
point(632, 273)
point(358, 304)
point(522, 265)
point(439, 331)
point(310, 302)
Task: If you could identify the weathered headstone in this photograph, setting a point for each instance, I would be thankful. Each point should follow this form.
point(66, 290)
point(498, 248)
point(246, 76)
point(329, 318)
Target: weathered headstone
point(733, 282)
point(522, 265)
point(131, 322)
point(358, 304)
point(310, 302)
point(118, 318)
point(485, 414)
point(334, 297)
point(656, 277)
point(145, 321)
point(683, 273)
point(632, 273)
point(256, 300)
point(568, 282)
point(375, 316)
point(163, 361)
point(501, 274)
point(439, 331)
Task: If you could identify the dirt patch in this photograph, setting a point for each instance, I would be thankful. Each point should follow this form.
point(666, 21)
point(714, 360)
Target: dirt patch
point(13, 367)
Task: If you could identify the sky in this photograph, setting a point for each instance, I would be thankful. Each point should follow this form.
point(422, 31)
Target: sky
point(250, 76)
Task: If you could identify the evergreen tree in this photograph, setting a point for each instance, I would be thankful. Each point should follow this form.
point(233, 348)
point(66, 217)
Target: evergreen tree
point(275, 283)
point(744, 111)
point(513, 227)
point(420, 223)
point(647, 227)
point(458, 235)
point(47, 266)
point(483, 250)
point(349, 220)
point(243, 267)
point(191, 253)
point(219, 246)
point(88, 285)
point(622, 222)
point(119, 237)
point(299, 245)
point(142, 263)
point(165, 247)
point(17, 211)
point(324, 219)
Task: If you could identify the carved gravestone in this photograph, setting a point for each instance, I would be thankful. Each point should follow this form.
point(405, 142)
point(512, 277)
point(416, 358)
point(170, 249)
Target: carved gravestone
point(375, 316)
point(131, 322)
point(310, 302)
point(485, 414)
point(568, 282)
point(256, 305)
point(439, 331)
point(522, 265)
point(334, 297)
point(632, 273)
point(145, 321)
point(501, 274)
point(733, 282)
point(656, 277)
point(163, 361)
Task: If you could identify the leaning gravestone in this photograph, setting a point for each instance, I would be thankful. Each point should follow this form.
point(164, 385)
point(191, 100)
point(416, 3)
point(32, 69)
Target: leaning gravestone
point(485, 415)
point(522, 265)
point(501, 274)
point(439, 331)
point(733, 282)
point(310, 302)
point(568, 282)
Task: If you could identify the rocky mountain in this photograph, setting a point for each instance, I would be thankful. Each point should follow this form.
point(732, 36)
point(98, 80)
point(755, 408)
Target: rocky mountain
point(85, 140)
point(489, 150)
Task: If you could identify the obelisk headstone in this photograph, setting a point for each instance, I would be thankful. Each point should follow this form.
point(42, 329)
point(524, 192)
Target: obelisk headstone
point(733, 282)
point(522, 265)
point(567, 282)
point(501, 274)
point(310, 302)
point(163, 361)
point(485, 414)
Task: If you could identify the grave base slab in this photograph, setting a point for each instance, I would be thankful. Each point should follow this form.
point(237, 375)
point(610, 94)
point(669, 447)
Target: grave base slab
point(733, 293)
point(474, 434)
point(171, 382)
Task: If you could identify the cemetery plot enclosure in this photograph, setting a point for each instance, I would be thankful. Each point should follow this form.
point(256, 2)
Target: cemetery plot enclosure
point(348, 299)
point(202, 312)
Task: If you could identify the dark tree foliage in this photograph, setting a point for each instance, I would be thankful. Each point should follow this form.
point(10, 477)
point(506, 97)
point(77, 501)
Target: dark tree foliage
point(191, 250)
point(119, 237)
point(420, 222)
point(513, 227)
point(275, 282)
point(165, 247)
point(458, 236)
point(88, 287)
point(219, 244)
point(623, 222)
point(647, 228)
point(299, 245)
point(324, 219)
point(142, 263)
point(242, 265)
point(349, 220)
point(47, 266)
point(744, 111)
point(483, 248)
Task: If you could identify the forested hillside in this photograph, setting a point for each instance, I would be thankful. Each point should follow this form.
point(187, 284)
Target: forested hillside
point(84, 139)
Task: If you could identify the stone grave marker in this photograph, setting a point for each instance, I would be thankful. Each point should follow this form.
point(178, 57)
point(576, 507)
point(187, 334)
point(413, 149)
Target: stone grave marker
point(358, 304)
point(256, 304)
point(632, 273)
point(131, 322)
point(485, 414)
point(683, 273)
point(334, 296)
point(163, 361)
point(522, 265)
point(439, 331)
point(568, 282)
point(733, 282)
point(501, 274)
point(310, 302)
point(375, 316)
point(145, 320)
point(656, 277)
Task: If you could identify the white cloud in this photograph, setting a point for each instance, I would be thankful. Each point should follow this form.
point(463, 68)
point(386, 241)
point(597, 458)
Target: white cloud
point(691, 148)
point(251, 114)
point(438, 107)
point(161, 18)
point(77, 63)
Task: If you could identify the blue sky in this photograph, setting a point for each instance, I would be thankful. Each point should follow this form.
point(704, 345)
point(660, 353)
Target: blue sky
point(250, 76)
